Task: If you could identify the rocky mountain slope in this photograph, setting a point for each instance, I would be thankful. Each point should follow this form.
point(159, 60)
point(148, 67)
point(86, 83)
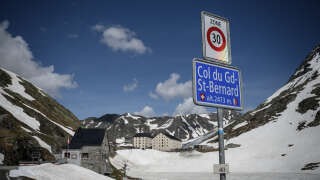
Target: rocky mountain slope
point(285, 127)
point(30, 118)
point(184, 127)
point(301, 94)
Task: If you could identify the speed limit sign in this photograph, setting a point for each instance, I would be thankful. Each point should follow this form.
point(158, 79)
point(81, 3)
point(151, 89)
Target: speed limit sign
point(215, 38)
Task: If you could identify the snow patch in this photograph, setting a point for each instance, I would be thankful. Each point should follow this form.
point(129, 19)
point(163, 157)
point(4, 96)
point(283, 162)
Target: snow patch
point(137, 129)
point(149, 123)
point(205, 116)
point(120, 140)
point(125, 145)
point(215, 123)
point(69, 131)
point(166, 124)
point(132, 116)
point(254, 112)
point(54, 172)
point(18, 112)
point(194, 132)
point(25, 129)
point(171, 133)
point(240, 125)
point(43, 144)
point(41, 92)
point(124, 120)
point(98, 124)
point(16, 86)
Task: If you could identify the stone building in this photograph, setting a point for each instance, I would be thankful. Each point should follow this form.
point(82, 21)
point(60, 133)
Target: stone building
point(89, 148)
point(142, 140)
point(166, 142)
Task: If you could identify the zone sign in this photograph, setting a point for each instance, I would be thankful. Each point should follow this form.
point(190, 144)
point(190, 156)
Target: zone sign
point(215, 38)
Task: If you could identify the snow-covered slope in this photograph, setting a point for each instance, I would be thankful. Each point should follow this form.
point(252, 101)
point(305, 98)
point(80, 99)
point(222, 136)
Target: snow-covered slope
point(152, 164)
point(283, 131)
point(184, 127)
point(57, 172)
point(28, 118)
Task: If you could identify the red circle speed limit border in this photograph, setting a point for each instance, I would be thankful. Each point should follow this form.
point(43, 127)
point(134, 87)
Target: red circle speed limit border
point(210, 30)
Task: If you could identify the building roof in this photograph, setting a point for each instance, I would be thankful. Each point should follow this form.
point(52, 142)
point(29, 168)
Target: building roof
point(87, 137)
point(171, 137)
point(143, 135)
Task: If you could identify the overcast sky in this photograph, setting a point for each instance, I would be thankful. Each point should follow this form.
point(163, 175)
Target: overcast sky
point(99, 57)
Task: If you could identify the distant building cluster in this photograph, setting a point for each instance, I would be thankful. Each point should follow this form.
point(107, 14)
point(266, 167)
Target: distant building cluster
point(89, 147)
point(161, 142)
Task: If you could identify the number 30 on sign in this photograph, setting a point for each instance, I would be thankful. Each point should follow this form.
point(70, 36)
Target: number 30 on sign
point(215, 38)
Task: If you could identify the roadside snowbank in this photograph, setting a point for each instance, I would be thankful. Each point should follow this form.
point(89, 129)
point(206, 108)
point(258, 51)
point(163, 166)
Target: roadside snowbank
point(57, 172)
point(157, 161)
point(265, 149)
point(156, 165)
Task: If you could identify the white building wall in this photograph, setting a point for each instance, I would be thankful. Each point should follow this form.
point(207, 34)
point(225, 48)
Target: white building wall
point(142, 142)
point(75, 156)
point(174, 144)
point(163, 143)
point(95, 159)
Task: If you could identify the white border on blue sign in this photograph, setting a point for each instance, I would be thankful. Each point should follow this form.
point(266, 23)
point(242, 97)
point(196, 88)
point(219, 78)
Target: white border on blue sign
point(194, 91)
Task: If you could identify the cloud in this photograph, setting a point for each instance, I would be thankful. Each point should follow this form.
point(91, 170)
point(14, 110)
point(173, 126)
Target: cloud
point(132, 86)
point(16, 56)
point(98, 27)
point(153, 95)
point(119, 38)
point(73, 36)
point(170, 89)
point(188, 107)
point(147, 111)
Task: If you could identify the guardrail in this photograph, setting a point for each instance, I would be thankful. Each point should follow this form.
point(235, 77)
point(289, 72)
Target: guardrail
point(32, 163)
point(8, 168)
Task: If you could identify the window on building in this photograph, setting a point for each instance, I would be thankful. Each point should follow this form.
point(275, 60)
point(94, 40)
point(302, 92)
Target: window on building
point(85, 155)
point(74, 156)
point(67, 155)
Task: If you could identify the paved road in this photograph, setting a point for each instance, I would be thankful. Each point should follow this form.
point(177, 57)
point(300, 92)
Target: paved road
point(233, 176)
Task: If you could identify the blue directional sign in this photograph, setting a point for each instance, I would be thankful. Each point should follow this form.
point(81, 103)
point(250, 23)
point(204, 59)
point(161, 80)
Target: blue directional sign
point(216, 85)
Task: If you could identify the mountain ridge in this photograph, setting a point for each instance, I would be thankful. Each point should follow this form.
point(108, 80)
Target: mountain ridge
point(184, 127)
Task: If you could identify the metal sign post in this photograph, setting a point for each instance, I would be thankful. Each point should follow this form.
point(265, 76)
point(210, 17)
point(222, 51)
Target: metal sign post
point(216, 83)
point(219, 86)
point(221, 141)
